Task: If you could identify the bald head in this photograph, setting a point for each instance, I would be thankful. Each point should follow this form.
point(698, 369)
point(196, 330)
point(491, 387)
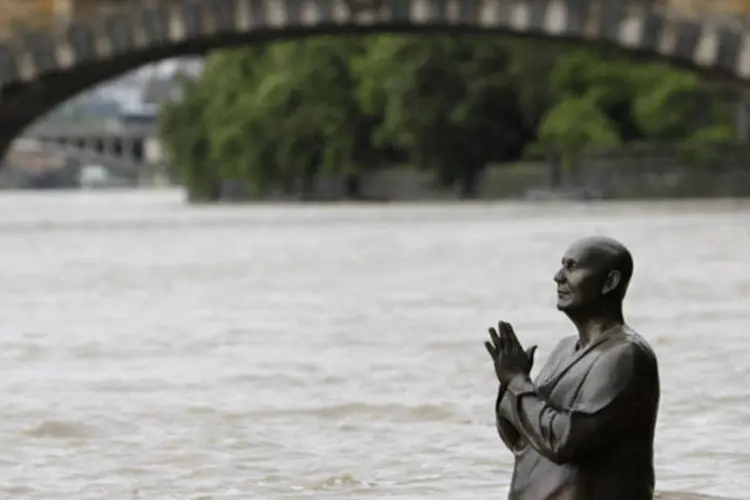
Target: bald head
point(606, 254)
point(595, 271)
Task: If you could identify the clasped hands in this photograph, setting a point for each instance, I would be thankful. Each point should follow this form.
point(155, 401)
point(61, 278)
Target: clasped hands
point(507, 354)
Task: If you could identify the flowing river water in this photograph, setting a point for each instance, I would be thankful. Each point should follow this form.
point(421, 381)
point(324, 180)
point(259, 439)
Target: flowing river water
point(154, 350)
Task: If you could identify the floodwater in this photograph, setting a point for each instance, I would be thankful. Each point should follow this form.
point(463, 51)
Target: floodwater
point(152, 350)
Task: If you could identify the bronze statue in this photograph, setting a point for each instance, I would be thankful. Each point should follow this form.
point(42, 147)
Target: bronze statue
point(584, 428)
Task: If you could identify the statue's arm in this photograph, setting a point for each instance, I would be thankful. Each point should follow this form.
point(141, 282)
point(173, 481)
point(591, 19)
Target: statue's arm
point(505, 428)
point(618, 383)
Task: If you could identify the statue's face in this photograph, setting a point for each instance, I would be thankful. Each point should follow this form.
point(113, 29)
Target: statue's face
point(581, 278)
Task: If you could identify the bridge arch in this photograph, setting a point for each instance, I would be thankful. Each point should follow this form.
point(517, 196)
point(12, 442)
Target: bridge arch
point(45, 68)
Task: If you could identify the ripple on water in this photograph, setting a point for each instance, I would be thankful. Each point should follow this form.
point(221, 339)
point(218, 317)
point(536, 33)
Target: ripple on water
point(61, 429)
point(391, 412)
point(152, 350)
point(343, 481)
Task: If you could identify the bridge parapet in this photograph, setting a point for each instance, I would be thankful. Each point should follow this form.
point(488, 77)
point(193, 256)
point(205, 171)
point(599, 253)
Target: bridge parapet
point(59, 15)
point(92, 30)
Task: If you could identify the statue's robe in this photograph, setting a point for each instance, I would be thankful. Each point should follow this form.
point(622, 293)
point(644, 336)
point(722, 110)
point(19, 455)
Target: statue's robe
point(584, 429)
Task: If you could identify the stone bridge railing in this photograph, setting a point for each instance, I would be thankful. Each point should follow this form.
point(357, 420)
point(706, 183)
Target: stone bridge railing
point(18, 17)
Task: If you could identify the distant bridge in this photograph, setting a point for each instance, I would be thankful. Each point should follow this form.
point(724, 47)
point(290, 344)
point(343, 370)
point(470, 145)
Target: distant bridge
point(44, 67)
point(122, 168)
point(129, 145)
point(130, 152)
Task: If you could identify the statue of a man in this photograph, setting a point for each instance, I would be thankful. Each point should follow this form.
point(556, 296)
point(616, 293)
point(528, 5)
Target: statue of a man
point(584, 428)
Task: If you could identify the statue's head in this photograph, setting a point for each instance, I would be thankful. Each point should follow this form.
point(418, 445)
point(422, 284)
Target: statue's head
point(594, 277)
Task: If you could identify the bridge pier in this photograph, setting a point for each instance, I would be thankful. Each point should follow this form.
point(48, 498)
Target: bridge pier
point(131, 153)
point(109, 144)
point(128, 149)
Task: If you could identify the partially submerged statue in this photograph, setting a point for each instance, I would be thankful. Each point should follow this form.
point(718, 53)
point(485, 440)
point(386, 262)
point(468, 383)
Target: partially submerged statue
point(584, 428)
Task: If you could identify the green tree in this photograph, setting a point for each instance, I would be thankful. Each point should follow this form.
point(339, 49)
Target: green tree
point(665, 102)
point(186, 138)
point(574, 124)
point(278, 115)
point(307, 99)
point(448, 102)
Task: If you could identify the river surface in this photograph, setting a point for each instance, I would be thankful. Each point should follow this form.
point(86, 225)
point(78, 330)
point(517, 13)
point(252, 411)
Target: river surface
point(153, 350)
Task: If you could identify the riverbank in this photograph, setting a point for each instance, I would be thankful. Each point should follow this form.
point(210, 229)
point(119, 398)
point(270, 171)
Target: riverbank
point(533, 181)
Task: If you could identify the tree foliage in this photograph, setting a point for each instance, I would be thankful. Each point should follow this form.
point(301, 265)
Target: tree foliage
point(277, 115)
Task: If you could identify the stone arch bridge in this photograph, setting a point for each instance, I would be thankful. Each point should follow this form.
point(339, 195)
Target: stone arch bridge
point(44, 67)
